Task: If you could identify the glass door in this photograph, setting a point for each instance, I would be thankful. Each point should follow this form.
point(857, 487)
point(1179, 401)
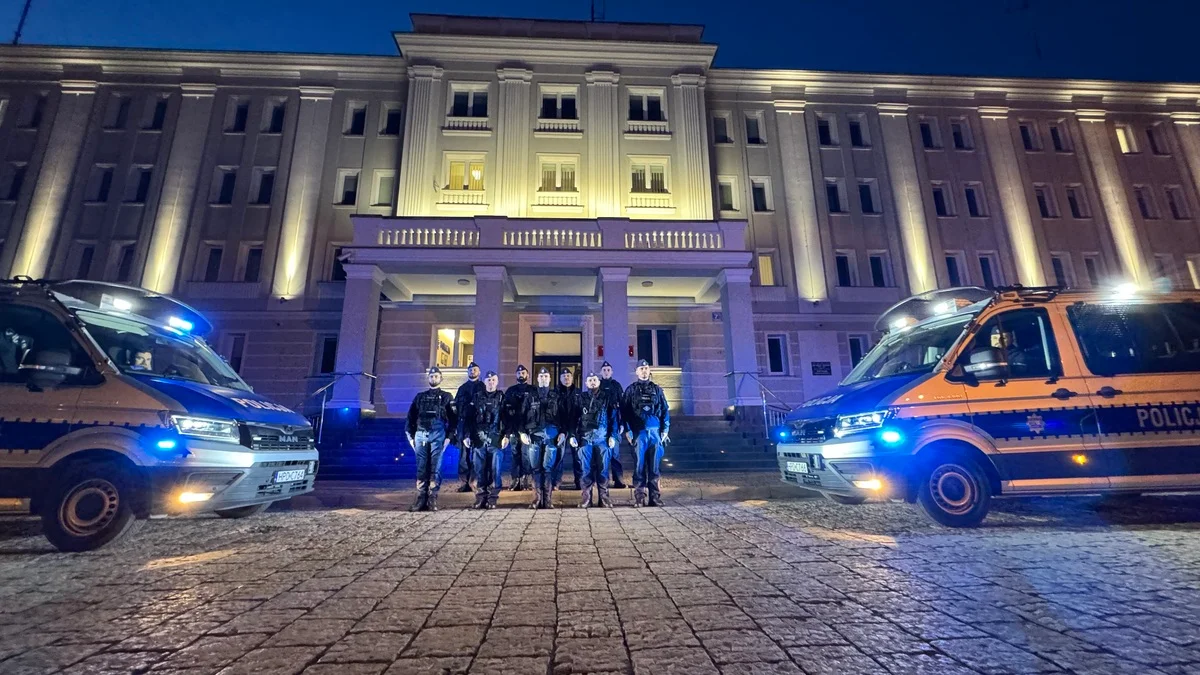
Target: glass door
point(555, 351)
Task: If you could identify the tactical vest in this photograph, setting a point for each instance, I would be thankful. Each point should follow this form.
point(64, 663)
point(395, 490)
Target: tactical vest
point(591, 412)
point(431, 410)
point(487, 412)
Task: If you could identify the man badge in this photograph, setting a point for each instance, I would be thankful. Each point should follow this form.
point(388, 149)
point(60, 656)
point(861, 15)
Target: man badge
point(1036, 424)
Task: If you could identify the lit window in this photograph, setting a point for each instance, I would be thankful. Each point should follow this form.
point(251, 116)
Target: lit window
point(648, 177)
point(766, 269)
point(1125, 139)
point(558, 176)
point(465, 174)
point(453, 347)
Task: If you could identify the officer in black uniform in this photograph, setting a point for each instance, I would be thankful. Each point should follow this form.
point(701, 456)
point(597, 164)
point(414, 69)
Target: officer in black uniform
point(568, 402)
point(648, 425)
point(597, 439)
point(430, 417)
point(462, 405)
point(542, 437)
point(514, 424)
point(486, 440)
point(614, 391)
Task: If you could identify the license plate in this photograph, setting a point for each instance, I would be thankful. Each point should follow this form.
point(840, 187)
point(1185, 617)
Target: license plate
point(290, 476)
point(797, 467)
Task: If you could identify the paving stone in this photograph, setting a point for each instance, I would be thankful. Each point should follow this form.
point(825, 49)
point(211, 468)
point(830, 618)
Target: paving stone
point(518, 641)
point(290, 660)
point(734, 646)
point(535, 665)
point(311, 632)
point(673, 661)
point(589, 655)
point(374, 646)
point(451, 641)
point(430, 666)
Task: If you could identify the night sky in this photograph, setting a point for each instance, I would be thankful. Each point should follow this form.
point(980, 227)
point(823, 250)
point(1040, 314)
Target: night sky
point(1152, 40)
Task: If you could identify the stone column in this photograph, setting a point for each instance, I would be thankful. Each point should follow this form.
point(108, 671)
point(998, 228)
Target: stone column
point(1187, 126)
point(691, 126)
point(356, 338)
point(909, 194)
point(54, 178)
point(303, 191)
point(1098, 142)
point(511, 174)
point(489, 315)
point(421, 122)
point(799, 193)
point(614, 287)
point(602, 128)
point(1014, 205)
point(178, 188)
point(741, 356)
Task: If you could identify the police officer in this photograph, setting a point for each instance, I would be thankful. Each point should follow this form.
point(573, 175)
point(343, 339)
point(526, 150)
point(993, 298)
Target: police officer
point(430, 417)
point(613, 390)
point(462, 405)
point(486, 440)
point(514, 424)
point(542, 437)
point(648, 426)
point(597, 439)
point(568, 402)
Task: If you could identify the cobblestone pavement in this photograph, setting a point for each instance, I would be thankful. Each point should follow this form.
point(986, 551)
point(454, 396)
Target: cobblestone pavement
point(789, 586)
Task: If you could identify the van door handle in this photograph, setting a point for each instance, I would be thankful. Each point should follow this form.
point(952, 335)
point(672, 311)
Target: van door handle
point(1063, 394)
point(1108, 392)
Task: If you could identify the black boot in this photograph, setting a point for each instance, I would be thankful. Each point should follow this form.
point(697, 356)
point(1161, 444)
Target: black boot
point(431, 503)
point(481, 501)
point(537, 499)
point(420, 503)
point(548, 498)
point(619, 484)
point(465, 487)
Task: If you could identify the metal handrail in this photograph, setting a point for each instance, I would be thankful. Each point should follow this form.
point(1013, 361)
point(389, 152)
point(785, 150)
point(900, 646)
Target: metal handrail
point(324, 392)
point(773, 414)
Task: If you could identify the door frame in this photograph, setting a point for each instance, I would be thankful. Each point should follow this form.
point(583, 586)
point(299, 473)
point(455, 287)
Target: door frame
point(585, 324)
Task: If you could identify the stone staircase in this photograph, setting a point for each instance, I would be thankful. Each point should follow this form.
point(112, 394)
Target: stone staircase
point(378, 450)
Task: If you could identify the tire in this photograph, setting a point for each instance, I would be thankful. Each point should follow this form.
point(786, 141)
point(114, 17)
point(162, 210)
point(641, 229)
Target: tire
point(243, 511)
point(845, 500)
point(91, 504)
point(954, 491)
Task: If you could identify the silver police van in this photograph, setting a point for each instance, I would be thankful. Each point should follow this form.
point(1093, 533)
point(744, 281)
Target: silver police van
point(113, 409)
point(974, 394)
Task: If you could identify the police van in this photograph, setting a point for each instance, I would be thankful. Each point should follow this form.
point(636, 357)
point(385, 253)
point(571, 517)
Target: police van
point(973, 394)
point(113, 409)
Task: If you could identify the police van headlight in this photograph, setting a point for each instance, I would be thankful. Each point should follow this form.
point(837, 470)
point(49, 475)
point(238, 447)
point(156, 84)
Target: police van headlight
point(208, 428)
point(852, 424)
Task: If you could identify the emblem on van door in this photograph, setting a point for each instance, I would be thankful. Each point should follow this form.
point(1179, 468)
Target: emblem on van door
point(1035, 423)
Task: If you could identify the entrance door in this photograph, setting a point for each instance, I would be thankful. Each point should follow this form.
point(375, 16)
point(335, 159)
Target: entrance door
point(555, 351)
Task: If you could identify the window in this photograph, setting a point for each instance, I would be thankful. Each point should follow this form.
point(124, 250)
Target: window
point(1128, 338)
point(1076, 201)
point(43, 333)
point(33, 112)
point(385, 188)
point(645, 106)
point(760, 192)
point(858, 348)
point(845, 269)
point(1145, 202)
point(973, 193)
point(987, 269)
point(558, 176)
point(960, 134)
point(1155, 141)
point(125, 256)
point(1125, 139)
point(1176, 203)
point(347, 188)
point(14, 179)
point(777, 359)
point(858, 133)
point(721, 129)
point(1091, 265)
point(656, 345)
point(1045, 201)
point(725, 194)
point(235, 118)
point(100, 183)
point(955, 269)
point(469, 100)
point(236, 350)
point(87, 254)
point(1029, 137)
point(929, 138)
point(158, 114)
point(1164, 271)
point(1060, 263)
point(224, 184)
point(212, 264)
point(833, 192)
point(264, 185)
point(1026, 339)
point(465, 173)
point(766, 268)
point(327, 355)
point(252, 265)
point(941, 201)
point(559, 106)
point(392, 118)
point(273, 116)
point(337, 269)
point(826, 133)
point(754, 134)
point(648, 177)
point(1058, 138)
point(116, 116)
point(881, 270)
point(866, 196)
point(356, 119)
point(453, 347)
point(138, 188)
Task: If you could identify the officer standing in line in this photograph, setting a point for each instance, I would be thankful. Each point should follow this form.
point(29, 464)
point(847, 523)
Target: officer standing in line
point(486, 440)
point(462, 405)
point(514, 424)
point(597, 439)
point(649, 424)
point(542, 437)
point(568, 401)
point(430, 417)
point(613, 390)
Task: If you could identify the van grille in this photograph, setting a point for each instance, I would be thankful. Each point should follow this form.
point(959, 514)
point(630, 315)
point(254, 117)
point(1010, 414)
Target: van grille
point(280, 439)
point(812, 431)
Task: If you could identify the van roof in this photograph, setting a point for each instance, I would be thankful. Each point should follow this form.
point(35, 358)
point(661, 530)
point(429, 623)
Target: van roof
point(136, 302)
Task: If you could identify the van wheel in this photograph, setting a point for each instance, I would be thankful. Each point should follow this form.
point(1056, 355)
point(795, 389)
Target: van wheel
point(243, 511)
point(845, 500)
point(90, 505)
point(955, 491)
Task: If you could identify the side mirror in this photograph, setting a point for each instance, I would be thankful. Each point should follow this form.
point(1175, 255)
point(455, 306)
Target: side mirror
point(50, 368)
point(959, 374)
point(986, 363)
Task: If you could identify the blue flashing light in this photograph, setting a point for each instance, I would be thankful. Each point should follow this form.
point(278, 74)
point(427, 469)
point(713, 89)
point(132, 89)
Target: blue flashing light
point(891, 436)
point(166, 444)
point(345, 410)
point(180, 324)
point(783, 434)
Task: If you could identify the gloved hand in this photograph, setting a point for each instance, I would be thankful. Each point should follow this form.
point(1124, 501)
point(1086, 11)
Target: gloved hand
point(504, 442)
point(574, 443)
point(666, 437)
point(561, 438)
point(629, 437)
point(467, 443)
point(445, 444)
point(412, 442)
point(612, 442)
point(525, 438)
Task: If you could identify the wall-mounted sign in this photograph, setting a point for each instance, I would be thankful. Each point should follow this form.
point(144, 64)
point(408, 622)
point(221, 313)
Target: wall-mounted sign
point(716, 316)
point(822, 368)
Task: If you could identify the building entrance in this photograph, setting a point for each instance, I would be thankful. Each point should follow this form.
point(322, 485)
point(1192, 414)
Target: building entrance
point(555, 351)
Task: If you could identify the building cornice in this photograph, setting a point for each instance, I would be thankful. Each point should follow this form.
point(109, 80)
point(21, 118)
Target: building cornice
point(442, 49)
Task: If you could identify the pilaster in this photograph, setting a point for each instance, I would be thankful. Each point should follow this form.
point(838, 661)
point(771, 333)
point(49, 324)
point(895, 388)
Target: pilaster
point(605, 187)
point(512, 142)
point(1098, 141)
point(356, 338)
point(489, 314)
point(421, 122)
point(614, 287)
point(909, 195)
point(799, 193)
point(691, 125)
point(1014, 205)
point(741, 356)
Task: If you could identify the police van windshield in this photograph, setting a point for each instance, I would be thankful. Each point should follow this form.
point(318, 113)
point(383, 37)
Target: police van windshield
point(913, 350)
point(141, 348)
